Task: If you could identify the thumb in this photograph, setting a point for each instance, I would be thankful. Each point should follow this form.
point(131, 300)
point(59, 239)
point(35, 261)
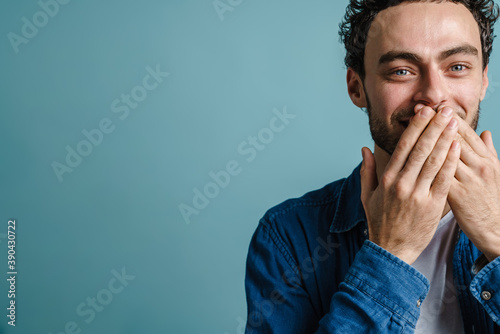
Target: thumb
point(368, 174)
point(488, 141)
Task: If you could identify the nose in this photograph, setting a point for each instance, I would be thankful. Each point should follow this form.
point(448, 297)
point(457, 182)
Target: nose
point(432, 90)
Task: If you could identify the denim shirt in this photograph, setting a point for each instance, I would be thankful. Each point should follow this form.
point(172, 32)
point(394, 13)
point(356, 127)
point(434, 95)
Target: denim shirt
point(312, 269)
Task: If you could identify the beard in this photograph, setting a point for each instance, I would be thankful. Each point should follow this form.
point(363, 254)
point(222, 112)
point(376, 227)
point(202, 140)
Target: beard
point(387, 136)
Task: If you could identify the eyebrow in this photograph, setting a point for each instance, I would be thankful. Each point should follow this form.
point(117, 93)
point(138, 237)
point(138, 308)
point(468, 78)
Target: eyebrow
point(466, 49)
point(394, 55)
point(390, 56)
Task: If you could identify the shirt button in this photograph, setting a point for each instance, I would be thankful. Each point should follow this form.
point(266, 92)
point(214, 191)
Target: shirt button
point(419, 303)
point(365, 232)
point(486, 295)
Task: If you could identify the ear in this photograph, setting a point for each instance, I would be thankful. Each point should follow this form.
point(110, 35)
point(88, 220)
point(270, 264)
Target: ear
point(355, 88)
point(486, 82)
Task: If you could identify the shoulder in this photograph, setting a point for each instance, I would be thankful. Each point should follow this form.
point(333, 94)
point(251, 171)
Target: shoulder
point(320, 202)
point(295, 225)
point(338, 200)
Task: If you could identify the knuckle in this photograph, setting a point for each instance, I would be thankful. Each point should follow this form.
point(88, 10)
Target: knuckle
point(441, 121)
point(401, 189)
point(433, 161)
point(419, 200)
point(438, 123)
point(419, 153)
point(404, 143)
point(386, 180)
point(485, 171)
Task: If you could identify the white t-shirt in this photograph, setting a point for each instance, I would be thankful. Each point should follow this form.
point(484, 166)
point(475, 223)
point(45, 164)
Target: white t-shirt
point(440, 311)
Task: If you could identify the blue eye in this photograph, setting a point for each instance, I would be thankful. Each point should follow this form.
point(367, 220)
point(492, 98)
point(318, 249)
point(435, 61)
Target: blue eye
point(458, 68)
point(401, 72)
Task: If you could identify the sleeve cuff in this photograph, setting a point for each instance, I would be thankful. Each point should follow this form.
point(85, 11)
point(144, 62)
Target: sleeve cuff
point(388, 280)
point(485, 287)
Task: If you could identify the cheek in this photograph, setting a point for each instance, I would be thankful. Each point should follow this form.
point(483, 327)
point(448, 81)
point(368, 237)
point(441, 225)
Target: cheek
point(388, 98)
point(467, 95)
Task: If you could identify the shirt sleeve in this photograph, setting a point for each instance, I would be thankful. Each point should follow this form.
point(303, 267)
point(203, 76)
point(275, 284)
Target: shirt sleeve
point(485, 287)
point(380, 293)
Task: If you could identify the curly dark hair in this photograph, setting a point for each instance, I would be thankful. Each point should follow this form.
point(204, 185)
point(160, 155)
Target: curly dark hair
point(361, 13)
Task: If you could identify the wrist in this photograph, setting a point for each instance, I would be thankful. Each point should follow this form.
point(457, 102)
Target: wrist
point(402, 253)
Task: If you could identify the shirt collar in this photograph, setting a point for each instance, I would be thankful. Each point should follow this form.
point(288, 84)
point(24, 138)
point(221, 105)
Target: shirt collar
point(349, 210)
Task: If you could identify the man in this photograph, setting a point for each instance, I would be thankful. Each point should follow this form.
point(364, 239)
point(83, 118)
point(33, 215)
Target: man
point(410, 242)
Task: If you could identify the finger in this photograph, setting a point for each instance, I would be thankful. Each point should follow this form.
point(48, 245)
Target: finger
point(463, 172)
point(368, 174)
point(471, 138)
point(467, 153)
point(456, 189)
point(408, 140)
point(488, 141)
point(426, 144)
point(444, 178)
point(436, 159)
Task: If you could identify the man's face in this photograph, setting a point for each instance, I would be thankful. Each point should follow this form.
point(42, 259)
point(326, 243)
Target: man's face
point(421, 53)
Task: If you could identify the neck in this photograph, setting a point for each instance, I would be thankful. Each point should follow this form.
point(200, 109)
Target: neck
point(382, 158)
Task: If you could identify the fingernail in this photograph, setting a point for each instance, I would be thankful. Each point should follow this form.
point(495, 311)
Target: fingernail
point(453, 123)
point(425, 112)
point(447, 112)
point(419, 107)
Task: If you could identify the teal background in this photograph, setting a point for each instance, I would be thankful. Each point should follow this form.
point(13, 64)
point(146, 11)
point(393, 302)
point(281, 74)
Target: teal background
point(119, 207)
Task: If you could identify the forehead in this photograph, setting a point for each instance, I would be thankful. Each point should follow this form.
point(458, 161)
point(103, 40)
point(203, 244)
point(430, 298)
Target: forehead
point(424, 28)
